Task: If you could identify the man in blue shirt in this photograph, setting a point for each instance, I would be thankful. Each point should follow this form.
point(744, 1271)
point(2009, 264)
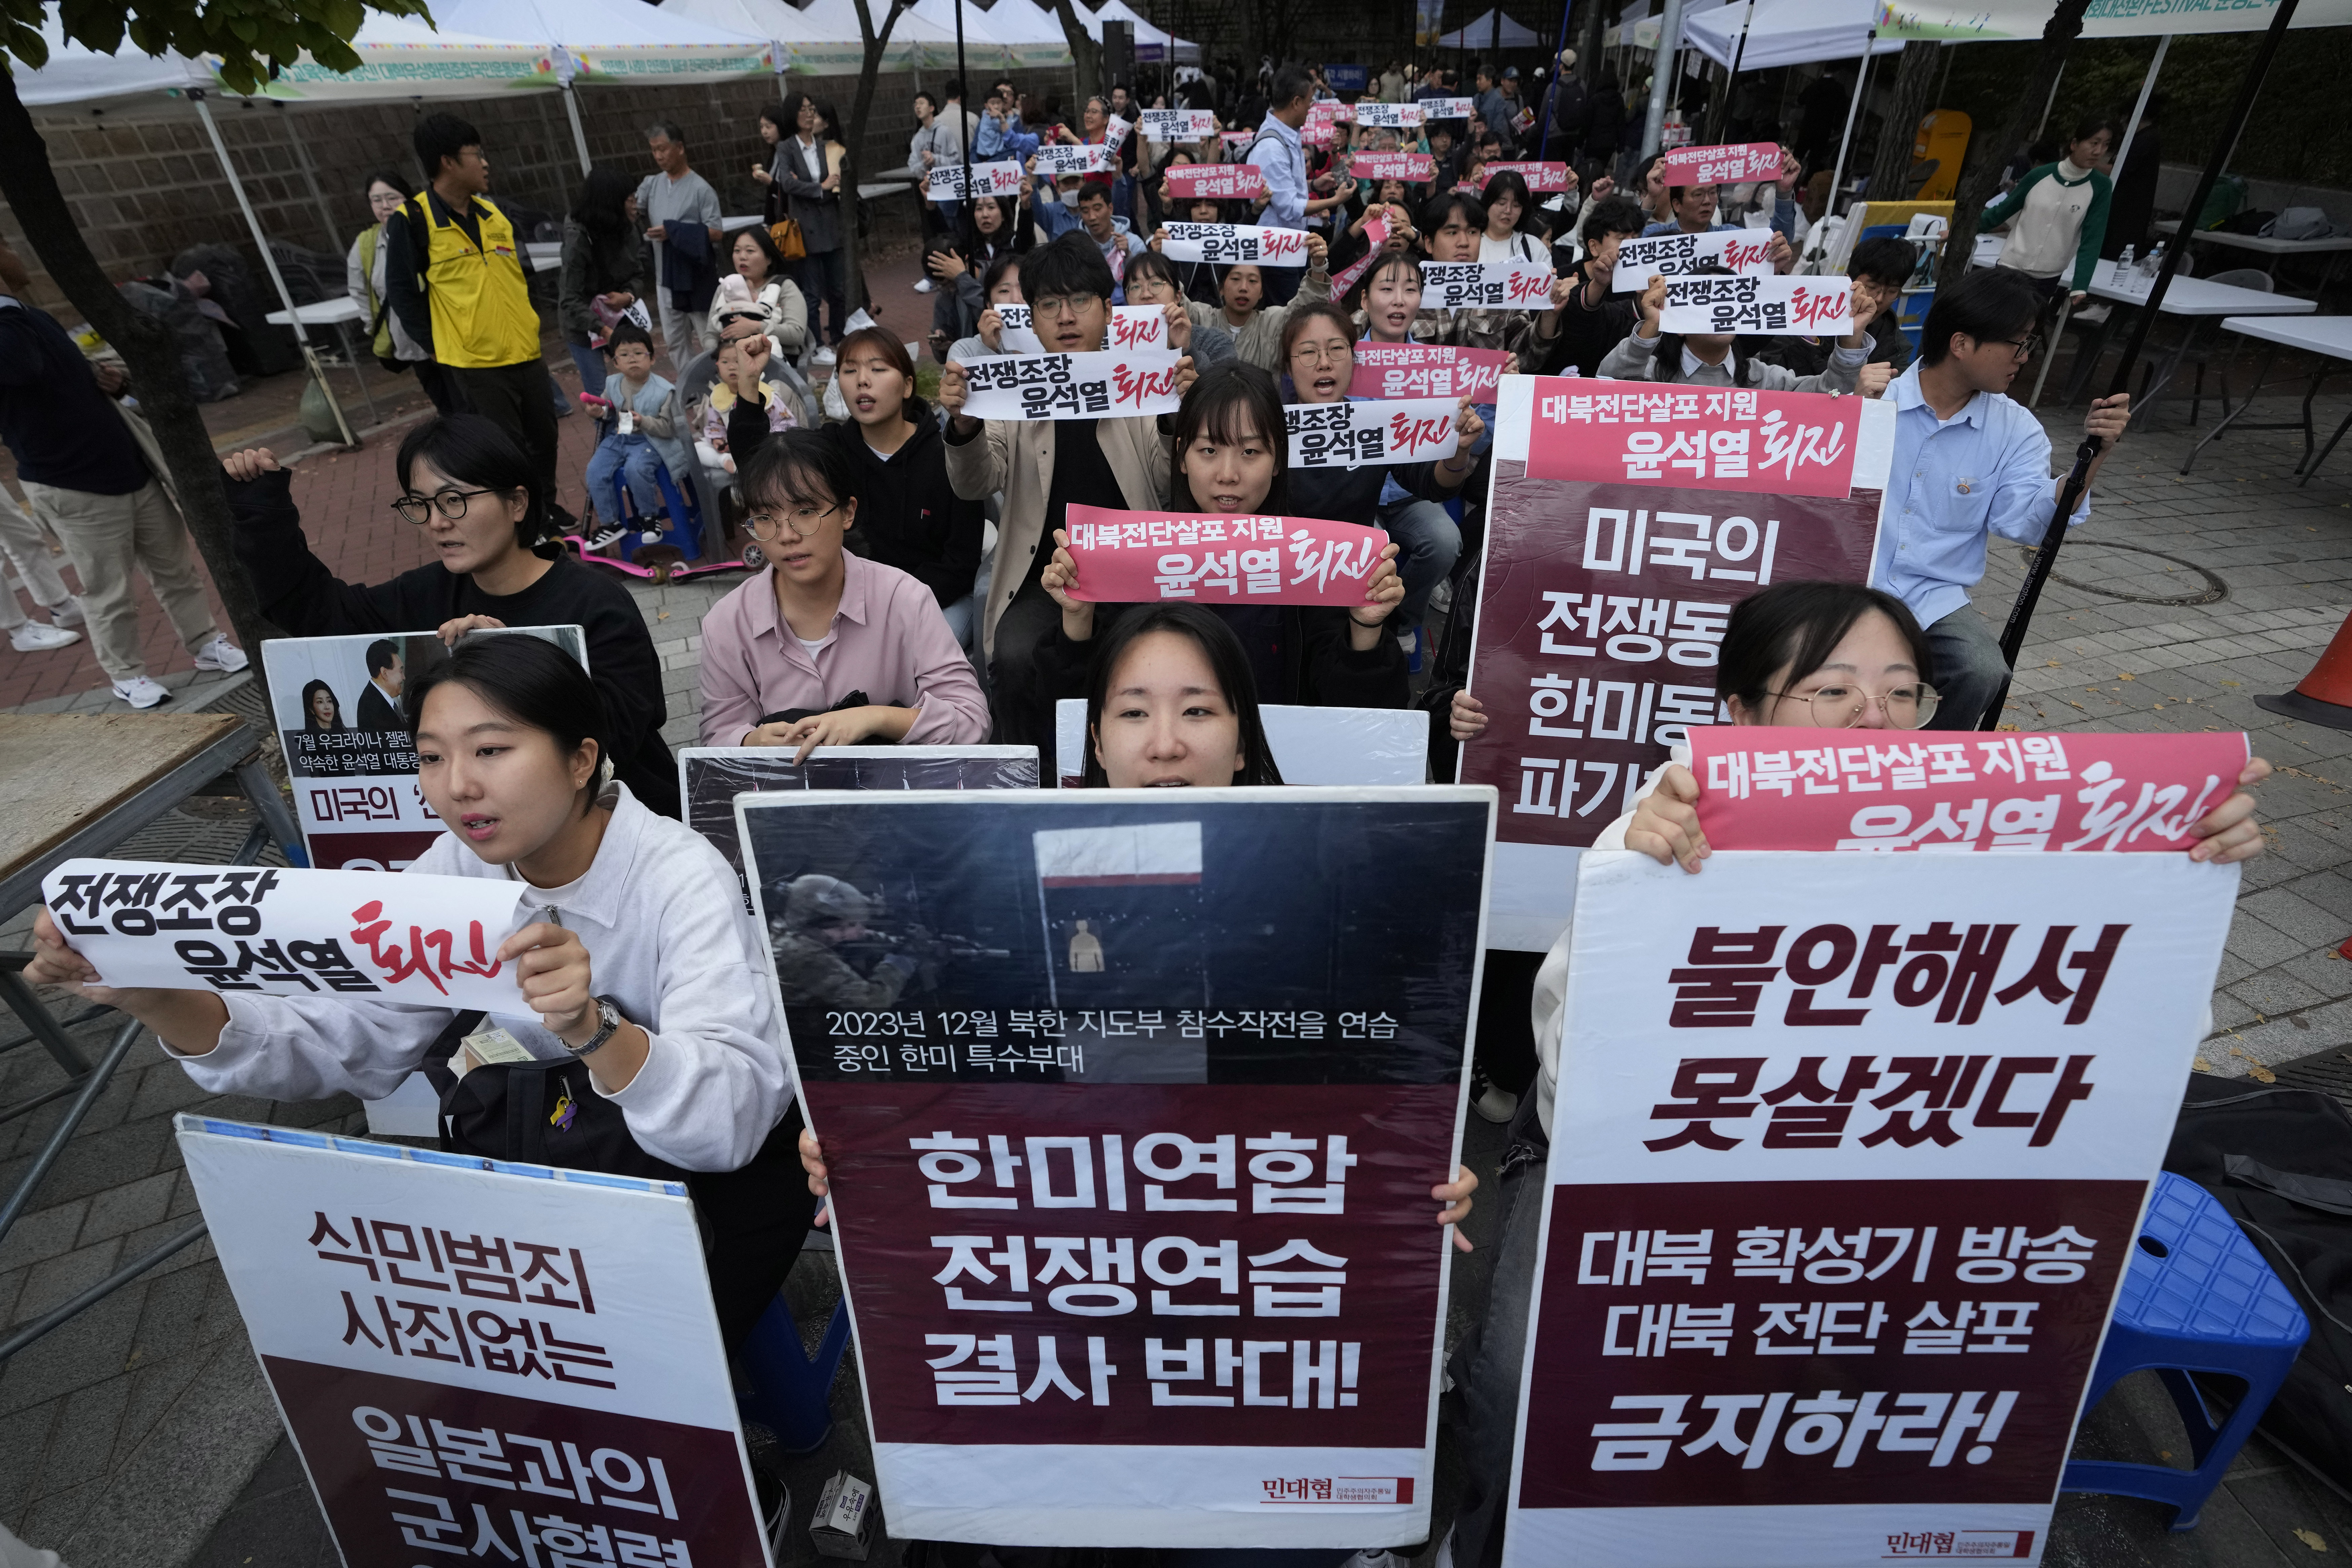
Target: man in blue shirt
point(1278, 151)
point(1969, 463)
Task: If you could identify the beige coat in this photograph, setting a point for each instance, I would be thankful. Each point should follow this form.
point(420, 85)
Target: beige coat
point(1016, 455)
point(1258, 341)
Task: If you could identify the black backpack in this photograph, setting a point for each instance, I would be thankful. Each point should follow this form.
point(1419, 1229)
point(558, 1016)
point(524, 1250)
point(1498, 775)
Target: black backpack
point(2280, 1160)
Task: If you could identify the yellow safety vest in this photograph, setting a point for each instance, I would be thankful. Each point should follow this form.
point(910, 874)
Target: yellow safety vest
point(482, 314)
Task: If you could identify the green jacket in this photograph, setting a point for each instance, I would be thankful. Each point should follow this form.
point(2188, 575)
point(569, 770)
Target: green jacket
point(2095, 218)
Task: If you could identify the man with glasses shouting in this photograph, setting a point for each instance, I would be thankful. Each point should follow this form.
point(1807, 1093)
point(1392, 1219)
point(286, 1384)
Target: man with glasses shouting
point(1970, 463)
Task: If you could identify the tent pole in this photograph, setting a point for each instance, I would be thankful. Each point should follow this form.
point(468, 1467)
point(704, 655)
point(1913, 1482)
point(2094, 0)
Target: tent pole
point(2147, 88)
point(1861, 86)
point(1543, 148)
point(311, 179)
point(963, 140)
point(2050, 102)
point(1661, 82)
point(1731, 77)
point(579, 136)
point(1946, 85)
point(269, 261)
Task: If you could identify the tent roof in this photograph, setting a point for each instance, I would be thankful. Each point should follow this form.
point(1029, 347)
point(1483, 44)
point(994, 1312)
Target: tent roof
point(1480, 35)
point(1146, 34)
point(1023, 22)
point(1958, 23)
point(597, 31)
point(1788, 32)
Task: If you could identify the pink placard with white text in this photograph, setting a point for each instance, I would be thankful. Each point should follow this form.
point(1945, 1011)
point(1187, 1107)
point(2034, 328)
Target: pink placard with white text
point(1215, 182)
point(1543, 179)
point(1413, 168)
point(1774, 443)
point(1140, 557)
point(1723, 165)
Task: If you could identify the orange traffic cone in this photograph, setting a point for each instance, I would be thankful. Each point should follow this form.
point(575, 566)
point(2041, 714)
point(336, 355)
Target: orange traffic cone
point(2325, 696)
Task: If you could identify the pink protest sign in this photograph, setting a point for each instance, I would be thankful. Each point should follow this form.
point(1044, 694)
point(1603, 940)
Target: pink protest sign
point(1774, 443)
point(1376, 233)
point(1215, 182)
point(1413, 168)
point(1541, 178)
point(1236, 137)
point(1723, 165)
point(1938, 793)
point(1140, 557)
point(1426, 370)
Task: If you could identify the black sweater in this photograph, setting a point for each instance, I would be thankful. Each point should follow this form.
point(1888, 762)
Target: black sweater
point(299, 594)
point(908, 514)
point(1353, 495)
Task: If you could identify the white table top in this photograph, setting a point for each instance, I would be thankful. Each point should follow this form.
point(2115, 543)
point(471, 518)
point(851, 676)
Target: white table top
point(731, 224)
point(869, 189)
point(2264, 243)
point(325, 313)
point(2329, 335)
point(2196, 297)
point(546, 255)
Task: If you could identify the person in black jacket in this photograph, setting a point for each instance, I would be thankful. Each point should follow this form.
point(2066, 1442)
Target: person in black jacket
point(909, 515)
point(1232, 460)
point(1593, 320)
point(470, 488)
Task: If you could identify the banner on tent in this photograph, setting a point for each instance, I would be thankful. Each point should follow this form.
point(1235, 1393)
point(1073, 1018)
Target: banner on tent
point(1487, 285)
point(1177, 124)
point(1350, 432)
point(1132, 1182)
point(946, 181)
point(1413, 168)
point(1133, 557)
point(1808, 789)
point(1770, 443)
point(1234, 242)
point(1808, 307)
point(475, 1352)
point(1428, 370)
point(1215, 182)
point(1745, 251)
point(1062, 158)
point(1723, 165)
point(416, 939)
point(1936, 1215)
point(1390, 116)
point(1100, 385)
point(1602, 601)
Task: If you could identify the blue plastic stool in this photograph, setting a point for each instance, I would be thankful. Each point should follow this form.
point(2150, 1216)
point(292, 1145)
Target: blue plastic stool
point(685, 531)
point(791, 1393)
point(2197, 1297)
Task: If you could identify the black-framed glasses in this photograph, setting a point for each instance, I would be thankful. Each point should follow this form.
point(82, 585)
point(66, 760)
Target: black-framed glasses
point(2023, 348)
point(451, 504)
point(1843, 707)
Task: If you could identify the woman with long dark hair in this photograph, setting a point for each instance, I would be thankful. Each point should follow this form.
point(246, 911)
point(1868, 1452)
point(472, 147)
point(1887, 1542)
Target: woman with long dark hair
point(603, 269)
point(322, 710)
point(768, 291)
point(996, 226)
point(471, 491)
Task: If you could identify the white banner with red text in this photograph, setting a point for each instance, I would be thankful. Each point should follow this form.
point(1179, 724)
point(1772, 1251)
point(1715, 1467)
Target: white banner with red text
point(1350, 432)
point(1233, 242)
point(1771, 306)
point(1745, 251)
point(1487, 285)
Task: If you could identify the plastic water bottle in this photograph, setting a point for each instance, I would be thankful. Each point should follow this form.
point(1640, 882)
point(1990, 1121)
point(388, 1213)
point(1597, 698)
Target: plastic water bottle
point(2153, 262)
point(2121, 277)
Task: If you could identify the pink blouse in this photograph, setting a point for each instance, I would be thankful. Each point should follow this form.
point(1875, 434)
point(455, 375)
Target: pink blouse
point(889, 641)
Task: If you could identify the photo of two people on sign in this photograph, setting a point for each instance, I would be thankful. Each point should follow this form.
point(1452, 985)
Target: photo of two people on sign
point(353, 685)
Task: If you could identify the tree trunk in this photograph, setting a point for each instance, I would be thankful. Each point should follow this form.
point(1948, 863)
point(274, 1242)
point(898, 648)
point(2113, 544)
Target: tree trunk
point(853, 151)
point(1914, 84)
point(1588, 48)
point(30, 187)
point(1085, 55)
point(1981, 174)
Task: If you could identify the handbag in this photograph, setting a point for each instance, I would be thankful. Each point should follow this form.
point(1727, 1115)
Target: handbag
point(786, 233)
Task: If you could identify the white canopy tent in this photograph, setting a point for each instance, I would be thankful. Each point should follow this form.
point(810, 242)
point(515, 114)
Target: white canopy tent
point(829, 43)
point(1787, 32)
point(1150, 43)
point(984, 49)
point(1998, 19)
point(1036, 34)
point(1480, 35)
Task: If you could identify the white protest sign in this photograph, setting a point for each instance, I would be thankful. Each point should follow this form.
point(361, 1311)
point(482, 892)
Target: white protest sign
point(1115, 133)
point(1177, 124)
point(405, 938)
point(1486, 285)
point(1808, 307)
point(1346, 433)
point(1447, 108)
point(1231, 242)
point(946, 182)
point(1092, 158)
point(1131, 326)
point(1848, 1159)
point(1747, 252)
point(511, 1354)
point(1394, 116)
point(1104, 385)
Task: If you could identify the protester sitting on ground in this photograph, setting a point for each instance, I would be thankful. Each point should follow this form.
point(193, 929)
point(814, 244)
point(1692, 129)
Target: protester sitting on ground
point(1199, 278)
point(909, 515)
point(633, 447)
point(364, 281)
point(1879, 271)
point(1452, 227)
point(1388, 203)
point(1693, 212)
point(2061, 215)
point(1514, 230)
point(1151, 280)
point(1816, 655)
point(472, 493)
point(768, 284)
point(1405, 500)
point(1981, 465)
point(1242, 311)
point(1725, 359)
point(1043, 467)
point(825, 647)
point(1233, 460)
point(1593, 320)
point(997, 228)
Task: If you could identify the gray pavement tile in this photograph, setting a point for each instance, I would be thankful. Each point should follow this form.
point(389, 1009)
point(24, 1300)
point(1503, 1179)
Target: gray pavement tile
point(2259, 944)
point(50, 1521)
point(24, 1438)
point(2273, 992)
point(128, 1207)
point(155, 1388)
point(89, 1348)
point(82, 1444)
point(59, 1280)
point(42, 1235)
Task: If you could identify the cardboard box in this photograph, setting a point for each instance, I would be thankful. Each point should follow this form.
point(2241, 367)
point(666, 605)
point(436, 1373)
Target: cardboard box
point(844, 1525)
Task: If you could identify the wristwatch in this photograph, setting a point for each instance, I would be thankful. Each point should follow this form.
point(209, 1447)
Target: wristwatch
point(608, 1023)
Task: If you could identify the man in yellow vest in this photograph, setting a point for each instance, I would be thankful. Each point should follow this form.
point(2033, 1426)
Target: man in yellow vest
point(457, 277)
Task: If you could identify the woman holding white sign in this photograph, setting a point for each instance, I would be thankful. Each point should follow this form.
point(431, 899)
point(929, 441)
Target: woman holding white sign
point(1243, 315)
point(643, 1029)
point(1807, 655)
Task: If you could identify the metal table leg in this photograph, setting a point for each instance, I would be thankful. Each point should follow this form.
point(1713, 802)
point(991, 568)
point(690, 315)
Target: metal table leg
point(344, 331)
point(36, 1017)
point(2262, 374)
point(262, 790)
point(2313, 466)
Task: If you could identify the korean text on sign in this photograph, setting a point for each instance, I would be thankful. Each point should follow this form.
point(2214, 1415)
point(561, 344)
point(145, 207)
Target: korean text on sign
point(1486, 285)
point(1215, 182)
point(1413, 168)
point(1131, 326)
point(1090, 158)
point(1227, 242)
point(1808, 307)
point(1126, 557)
point(1772, 443)
point(1177, 124)
point(414, 938)
point(1810, 790)
point(945, 182)
point(1346, 433)
point(1542, 179)
point(1103, 384)
point(1447, 108)
point(1428, 370)
point(1748, 252)
point(1723, 165)
point(1392, 116)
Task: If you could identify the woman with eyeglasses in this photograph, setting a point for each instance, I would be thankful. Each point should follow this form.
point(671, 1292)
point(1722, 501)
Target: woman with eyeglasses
point(363, 281)
point(1819, 655)
point(825, 647)
point(471, 493)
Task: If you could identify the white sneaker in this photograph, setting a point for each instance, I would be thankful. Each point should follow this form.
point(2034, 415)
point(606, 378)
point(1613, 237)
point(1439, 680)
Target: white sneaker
point(68, 612)
point(35, 637)
point(222, 655)
point(823, 355)
point(140, 692)
point(924, 284)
